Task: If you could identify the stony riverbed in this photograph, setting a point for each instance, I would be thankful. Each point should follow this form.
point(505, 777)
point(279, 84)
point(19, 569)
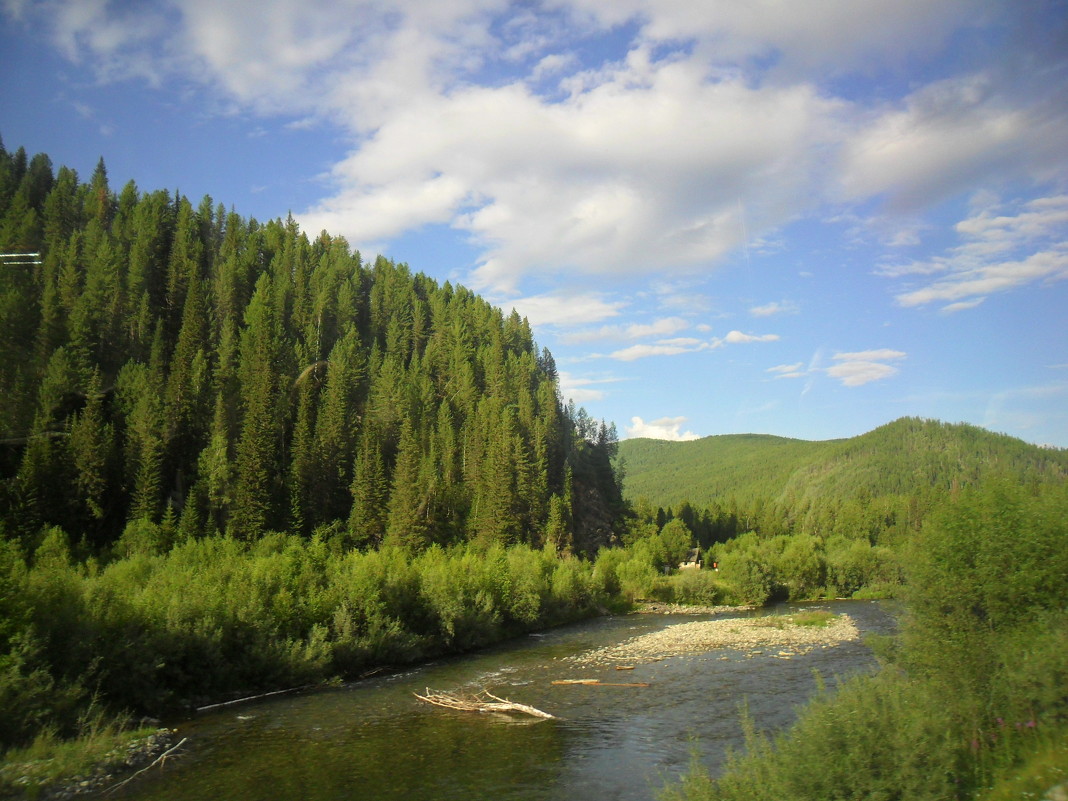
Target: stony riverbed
point(773, 636)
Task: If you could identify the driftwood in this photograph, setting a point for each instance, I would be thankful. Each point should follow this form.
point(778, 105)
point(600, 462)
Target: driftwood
point(479, 703)
point(599, 683)
point(245, 700)
point(158, 761)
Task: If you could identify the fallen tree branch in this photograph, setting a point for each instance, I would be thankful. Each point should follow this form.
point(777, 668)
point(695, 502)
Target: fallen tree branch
point(157, 761)
point(599, 683)
point(250, 698)
point(478, 703)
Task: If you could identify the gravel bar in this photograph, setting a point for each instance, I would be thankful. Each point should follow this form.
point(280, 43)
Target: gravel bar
point(759, 635)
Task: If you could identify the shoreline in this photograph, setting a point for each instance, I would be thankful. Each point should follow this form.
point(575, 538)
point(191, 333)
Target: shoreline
point(119, 764)
point(141, 752)
point(661, 608)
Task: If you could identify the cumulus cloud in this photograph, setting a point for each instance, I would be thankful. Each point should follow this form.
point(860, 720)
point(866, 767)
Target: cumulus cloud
point(664, 428)
point(830, 35)
point(952, 135)
point(640, 164)
point(639, 172)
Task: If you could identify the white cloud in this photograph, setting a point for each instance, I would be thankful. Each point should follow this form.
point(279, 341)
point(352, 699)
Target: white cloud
point(947, 137)
point(667, 347)
point(1000, 252)
point(678, 345)
point(561, 309)
point(580, 389)
point(738, 338)
point(664, 326)
point(640, 172)
point(882, 354)
point(833, 34)
point(863, 367)
point(663, 428)
point(961, 305)
point(641, 165)
point(796, 370)
point(775, 307)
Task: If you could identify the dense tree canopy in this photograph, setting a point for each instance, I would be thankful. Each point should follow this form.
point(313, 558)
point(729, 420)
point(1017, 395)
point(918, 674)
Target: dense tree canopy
point(171, 362)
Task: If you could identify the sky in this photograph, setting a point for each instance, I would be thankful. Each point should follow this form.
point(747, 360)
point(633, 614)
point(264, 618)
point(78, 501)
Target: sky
point(795, 217)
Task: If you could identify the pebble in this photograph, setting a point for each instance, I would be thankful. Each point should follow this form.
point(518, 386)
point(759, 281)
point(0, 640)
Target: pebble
point(751, 635)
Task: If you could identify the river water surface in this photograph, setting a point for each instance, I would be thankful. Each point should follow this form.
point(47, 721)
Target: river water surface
point(373, 740)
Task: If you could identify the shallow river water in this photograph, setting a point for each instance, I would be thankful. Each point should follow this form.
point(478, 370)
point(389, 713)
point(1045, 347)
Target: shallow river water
point(373, 740)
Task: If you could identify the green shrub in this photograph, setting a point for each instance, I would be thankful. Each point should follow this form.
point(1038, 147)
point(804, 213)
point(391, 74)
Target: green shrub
point(873, 739)
point(697, 588)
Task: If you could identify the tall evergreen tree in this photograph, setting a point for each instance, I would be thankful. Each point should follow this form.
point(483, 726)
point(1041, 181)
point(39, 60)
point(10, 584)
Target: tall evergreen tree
point(258, 457)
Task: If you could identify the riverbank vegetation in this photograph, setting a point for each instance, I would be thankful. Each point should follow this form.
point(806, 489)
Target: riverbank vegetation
point(970, 702)
point(236, 459)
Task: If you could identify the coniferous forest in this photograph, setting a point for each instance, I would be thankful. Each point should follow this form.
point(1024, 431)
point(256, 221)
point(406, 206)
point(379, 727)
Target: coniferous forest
point(185, 366)
point(235, 458)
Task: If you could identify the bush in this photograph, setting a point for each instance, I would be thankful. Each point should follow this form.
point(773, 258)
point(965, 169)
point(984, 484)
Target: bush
point(973, 697)
point(697, 588)
point(874, 738)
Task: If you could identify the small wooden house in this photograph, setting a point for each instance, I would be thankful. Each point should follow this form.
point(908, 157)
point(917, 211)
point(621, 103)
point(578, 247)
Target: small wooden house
point(692, 561)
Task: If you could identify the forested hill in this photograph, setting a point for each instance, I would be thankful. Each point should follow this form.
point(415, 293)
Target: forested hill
point(907, 455)
point(786, 481)
point(184, 365)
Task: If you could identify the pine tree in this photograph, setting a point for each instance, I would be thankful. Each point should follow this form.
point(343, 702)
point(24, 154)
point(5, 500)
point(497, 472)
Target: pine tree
point(92, 442)
point(216, 471)
point(409, 498)
point(257, 455)
point(370, 492)
point(336, 427)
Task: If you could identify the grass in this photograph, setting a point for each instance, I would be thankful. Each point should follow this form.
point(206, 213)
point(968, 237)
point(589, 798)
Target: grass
point(1045, 768)
point(817, 618)
point(103, 747)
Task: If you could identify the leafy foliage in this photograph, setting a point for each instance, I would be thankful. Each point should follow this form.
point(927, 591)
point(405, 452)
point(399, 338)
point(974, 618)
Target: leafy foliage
point(165, 629)
point(973, 699)
point(211, 425)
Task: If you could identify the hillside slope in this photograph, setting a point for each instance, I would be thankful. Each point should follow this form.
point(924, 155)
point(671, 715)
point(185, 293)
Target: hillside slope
point(907, 456)
point(188, 367)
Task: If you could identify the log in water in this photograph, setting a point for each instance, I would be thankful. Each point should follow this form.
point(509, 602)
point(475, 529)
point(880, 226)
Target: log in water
point(375, 741)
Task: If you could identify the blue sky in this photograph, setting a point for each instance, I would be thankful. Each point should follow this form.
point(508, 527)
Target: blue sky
point(797, 218)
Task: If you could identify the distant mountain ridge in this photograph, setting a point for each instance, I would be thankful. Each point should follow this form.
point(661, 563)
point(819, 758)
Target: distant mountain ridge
point(909, 455)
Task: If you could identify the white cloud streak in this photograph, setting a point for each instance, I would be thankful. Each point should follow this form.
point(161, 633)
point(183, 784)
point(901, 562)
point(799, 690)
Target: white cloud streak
point(581, 389)
point(774, 308)
point(679, 345)
point(664, 326)
point(1000, 252)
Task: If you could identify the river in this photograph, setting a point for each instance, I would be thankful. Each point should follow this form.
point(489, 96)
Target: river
point(374, 741)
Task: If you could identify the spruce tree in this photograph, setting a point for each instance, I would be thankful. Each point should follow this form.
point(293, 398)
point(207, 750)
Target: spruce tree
point(257, 457)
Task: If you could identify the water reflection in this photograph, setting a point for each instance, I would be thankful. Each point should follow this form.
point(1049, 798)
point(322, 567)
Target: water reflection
point(374, 741)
